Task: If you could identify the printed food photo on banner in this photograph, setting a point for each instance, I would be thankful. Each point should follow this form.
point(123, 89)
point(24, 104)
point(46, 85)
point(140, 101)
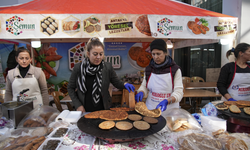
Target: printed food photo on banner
point(139, 55)
point(49, 26)
point(198, 26)
point(71, 25)
point(92, 25)
point(142, 25)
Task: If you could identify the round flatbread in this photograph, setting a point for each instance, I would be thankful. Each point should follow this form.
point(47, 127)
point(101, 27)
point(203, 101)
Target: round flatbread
point(124, 125)
point(221, 107)
point(134, 117)
point(150, 120)
point(247, 110)
point(107, 125)
point(141, 125)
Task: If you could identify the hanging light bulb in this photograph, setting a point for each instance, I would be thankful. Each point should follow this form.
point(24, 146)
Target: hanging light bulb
point(36, 43)
point(169, 44)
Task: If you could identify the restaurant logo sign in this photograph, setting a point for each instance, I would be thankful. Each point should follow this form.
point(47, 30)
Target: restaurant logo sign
point(14, 25)
point(119, 25)
point(165, 27)
point(114, 60)
point(225, 27)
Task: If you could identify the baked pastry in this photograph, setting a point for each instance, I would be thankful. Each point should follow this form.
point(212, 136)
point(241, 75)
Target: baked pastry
point(124, 125)
point(221, 107)
point(141, 125)
point(107, 125)
point(95, 114)
point(198, 141)
point(233, 143)
point(142, 25)
point(150, 120)
point(234, 109)
point(244, 103)
point(114, 115)
point(40, 131)
point(229, 103)
point(134, 117)
point(247, 110)
point(142, 109)
point(121, 109)
point(218, 132)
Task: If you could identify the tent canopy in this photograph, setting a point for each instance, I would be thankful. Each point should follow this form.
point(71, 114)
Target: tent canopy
point(160, 7)
point(26, 21)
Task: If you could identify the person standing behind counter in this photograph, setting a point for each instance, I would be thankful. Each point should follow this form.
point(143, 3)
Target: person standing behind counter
point(89, 82)
point(233, 82)
point(26, 76)
point(162, 80)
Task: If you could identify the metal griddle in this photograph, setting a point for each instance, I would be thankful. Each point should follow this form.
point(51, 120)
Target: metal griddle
point(235, 122)
point(90, 126)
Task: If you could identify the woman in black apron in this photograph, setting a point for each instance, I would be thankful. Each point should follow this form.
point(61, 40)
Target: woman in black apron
point(234, 79)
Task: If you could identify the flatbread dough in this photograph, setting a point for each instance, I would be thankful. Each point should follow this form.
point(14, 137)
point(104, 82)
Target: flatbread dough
point(124, 125)
point(134, 117)
point(107, 125)
point(141, 125)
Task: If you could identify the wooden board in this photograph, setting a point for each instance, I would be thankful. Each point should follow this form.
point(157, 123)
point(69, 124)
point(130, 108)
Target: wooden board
point(132, 100)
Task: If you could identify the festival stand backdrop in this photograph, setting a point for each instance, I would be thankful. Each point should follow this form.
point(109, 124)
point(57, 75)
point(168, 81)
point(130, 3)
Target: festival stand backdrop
point(134, 20)
point(58, 59)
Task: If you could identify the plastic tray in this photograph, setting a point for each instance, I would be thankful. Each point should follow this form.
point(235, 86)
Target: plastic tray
point(54, 131)
point(48, 139)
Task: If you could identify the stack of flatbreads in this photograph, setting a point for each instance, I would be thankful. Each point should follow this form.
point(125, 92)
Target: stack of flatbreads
point(179, 124)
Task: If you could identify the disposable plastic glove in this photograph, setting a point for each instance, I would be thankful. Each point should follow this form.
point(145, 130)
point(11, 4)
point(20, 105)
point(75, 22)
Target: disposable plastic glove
point(139, 96)
point(231, 99)
point(129, 87)
point(163, 104)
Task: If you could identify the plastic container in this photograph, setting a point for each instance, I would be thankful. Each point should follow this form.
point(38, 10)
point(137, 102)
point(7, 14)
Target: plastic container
point(52, 134)
point(211, 123)
point(50, 139)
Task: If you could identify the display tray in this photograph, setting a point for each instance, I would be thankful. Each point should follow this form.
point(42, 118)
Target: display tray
point(90, 126)
point(241, 115)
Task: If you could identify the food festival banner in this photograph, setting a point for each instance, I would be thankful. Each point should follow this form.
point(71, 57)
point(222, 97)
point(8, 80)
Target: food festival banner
point(42, 26)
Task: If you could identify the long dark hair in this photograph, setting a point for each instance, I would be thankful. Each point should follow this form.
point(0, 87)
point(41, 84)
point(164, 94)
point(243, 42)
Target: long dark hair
point(241, 47)
point(22, 49)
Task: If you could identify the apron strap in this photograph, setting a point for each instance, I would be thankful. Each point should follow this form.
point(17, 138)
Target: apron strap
point(148, 79)
point(234, 73)
point(172, 78)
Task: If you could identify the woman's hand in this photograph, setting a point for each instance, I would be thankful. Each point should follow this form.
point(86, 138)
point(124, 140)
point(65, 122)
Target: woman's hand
point(163, 104)
point(81, 108)
point(129, 87)
point(139, 96)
